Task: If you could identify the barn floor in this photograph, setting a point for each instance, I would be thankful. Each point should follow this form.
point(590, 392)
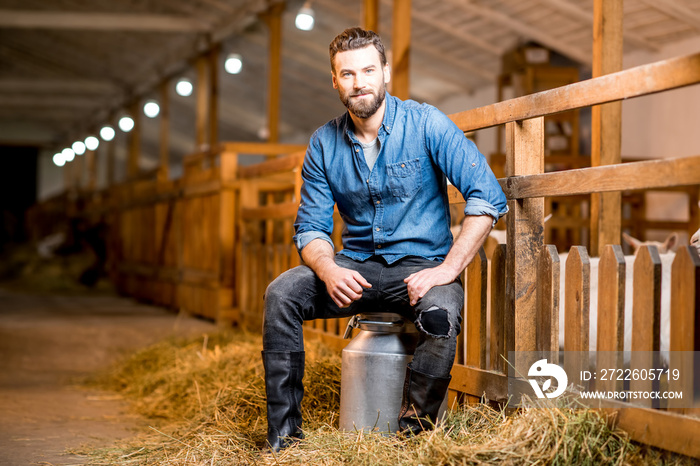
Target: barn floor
point(48, 344)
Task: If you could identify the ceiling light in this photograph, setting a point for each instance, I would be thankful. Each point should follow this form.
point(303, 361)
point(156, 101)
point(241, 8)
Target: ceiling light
point(68, 154)
point(184, 87)
point(305, 18)
point(58, 159)
point(107, 133)
point(126, 124)
point(78, 147)
point(233, 64)
point(91, 142)
point(151, 109)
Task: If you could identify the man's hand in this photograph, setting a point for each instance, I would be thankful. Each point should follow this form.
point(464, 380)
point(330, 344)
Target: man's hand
point(344, 285)
point(475, 229)
point(420, 283)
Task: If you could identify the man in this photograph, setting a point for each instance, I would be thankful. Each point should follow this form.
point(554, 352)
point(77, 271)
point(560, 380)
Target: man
point(384, 163)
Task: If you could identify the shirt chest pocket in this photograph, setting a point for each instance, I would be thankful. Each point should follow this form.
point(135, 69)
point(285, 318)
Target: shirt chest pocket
point(404, 178)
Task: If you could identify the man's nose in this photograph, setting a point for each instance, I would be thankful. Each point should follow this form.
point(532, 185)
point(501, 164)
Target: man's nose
point(359, 82)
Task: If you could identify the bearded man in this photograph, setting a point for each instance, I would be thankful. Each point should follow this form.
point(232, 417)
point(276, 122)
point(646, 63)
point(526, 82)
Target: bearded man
point(385, 163)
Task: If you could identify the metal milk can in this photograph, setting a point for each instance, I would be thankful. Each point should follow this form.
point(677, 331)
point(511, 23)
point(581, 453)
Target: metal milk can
point(373, 371)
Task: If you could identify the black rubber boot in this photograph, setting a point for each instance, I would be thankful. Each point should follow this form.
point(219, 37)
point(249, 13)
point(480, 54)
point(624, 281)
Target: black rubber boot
point(422, 397)
point(283, 384)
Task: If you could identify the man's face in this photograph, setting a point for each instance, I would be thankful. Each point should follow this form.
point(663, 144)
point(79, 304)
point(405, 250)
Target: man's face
point(361, 80)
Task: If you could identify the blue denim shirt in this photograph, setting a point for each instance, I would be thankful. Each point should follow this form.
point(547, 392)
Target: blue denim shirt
point(401, 207)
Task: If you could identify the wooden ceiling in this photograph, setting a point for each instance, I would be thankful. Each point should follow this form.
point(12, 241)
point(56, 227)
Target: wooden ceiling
point(67, 66)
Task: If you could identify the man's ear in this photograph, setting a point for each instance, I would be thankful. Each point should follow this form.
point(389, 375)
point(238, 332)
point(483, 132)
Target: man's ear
point(335, 83)
point(387, 74)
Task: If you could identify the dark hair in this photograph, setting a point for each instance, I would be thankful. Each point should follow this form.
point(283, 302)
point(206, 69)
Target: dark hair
point(356, 38)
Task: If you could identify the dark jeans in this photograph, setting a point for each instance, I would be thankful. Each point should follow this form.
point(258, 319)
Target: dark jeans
point(298, 295)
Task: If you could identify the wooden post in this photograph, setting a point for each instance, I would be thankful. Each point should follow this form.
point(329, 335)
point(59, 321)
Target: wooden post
point(606, 122)
point(475, 333)
point(548, 300)
point(90, 159)
point(611, 299)
point(370, 15)
point(164, 164)
point(685, 323)
point(134, 140)
point(274, 24)
point(577, 300)
point(203, 103)
point(111, 157)
point(498, 311)
point(214, 55)
point(79, 167)
point(401, 49)
point(610, 334)
point(525, 229)
point(646, 319)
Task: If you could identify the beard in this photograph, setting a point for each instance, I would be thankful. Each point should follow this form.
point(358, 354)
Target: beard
point(364, 108)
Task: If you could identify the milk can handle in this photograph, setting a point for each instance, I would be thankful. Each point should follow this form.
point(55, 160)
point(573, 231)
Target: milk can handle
point(355, 322)
point(352, 323)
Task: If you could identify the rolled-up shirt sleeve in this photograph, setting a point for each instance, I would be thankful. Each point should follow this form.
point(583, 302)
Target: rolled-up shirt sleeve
point(302, 239)
point(465, 167)
point(476, 206)
point(315, 214)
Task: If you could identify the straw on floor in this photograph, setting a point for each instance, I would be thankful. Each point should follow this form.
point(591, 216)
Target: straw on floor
point(205, 401)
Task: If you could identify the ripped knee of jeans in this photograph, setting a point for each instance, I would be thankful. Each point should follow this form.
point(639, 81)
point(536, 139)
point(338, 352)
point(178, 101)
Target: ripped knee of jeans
point(434, 322)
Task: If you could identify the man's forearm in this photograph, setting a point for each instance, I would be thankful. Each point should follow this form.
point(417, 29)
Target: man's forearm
point(319, 256)
point(475, 230)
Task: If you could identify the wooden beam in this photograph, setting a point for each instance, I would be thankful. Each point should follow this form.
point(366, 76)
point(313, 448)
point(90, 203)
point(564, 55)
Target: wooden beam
point(401, 49)
point(164, 137)
point(213, 56)
point(606, 123)
point(203, 103)
point(274, 23)
point(529, 32)
point(134, 141)
point(684, 171)
point(62, 86)
point(634, 82)
point(100, 21)
point(370, 15)
point(111, 157)
point(525, 229)
point(675, 10)
point(582, 15)
point(79, 103)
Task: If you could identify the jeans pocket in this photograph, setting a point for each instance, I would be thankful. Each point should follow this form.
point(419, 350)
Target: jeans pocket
point(404, 178)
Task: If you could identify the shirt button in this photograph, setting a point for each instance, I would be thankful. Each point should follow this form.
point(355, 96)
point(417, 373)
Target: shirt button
point(367, 180)
point(377, 202)
point(357, 150)
point(379, 246)
point(376, 229)
point(403, 165)
point(473, 165)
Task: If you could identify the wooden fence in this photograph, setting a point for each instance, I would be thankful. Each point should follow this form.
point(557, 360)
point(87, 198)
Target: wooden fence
point(212, 241)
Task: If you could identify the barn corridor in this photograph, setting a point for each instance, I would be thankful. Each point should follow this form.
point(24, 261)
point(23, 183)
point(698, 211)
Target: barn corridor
point(48, 344)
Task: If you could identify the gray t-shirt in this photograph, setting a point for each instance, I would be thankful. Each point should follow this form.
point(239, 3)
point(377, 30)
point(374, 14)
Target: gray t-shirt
point(371, 151)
